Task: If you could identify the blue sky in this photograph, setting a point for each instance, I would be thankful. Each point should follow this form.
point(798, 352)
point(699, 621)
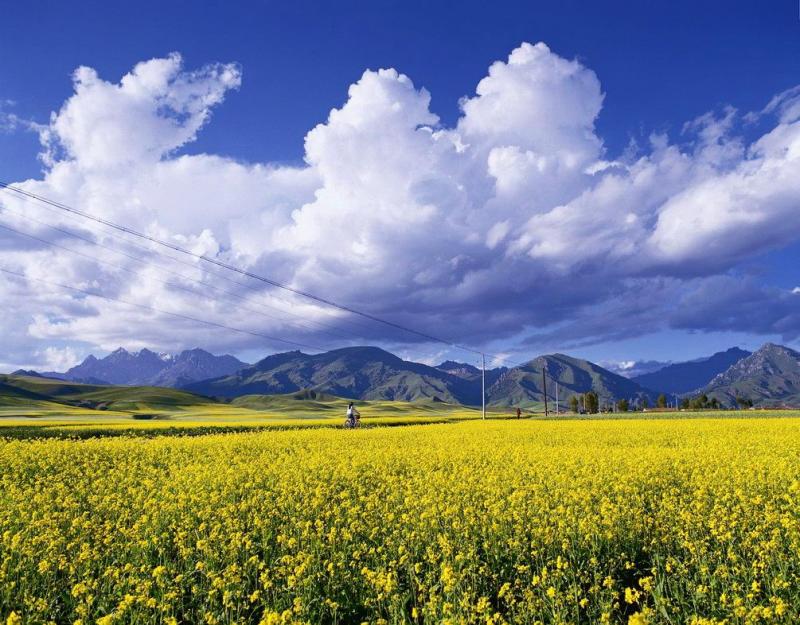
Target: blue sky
point(660, 63)
point(659, 66)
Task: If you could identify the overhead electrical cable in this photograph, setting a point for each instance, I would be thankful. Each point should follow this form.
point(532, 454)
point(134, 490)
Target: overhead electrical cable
point(144, 263)
point(160, 311)
point(333, 329)
point(233, 268)
point(126, 269)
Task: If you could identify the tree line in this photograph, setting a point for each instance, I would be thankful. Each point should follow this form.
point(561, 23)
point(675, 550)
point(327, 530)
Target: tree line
point(589, 403)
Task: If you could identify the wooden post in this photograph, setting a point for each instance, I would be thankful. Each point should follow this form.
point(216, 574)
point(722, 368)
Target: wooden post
point(483, 386)
point(544, 387)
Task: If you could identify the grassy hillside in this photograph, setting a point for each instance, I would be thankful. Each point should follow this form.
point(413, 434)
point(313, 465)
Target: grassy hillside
point(45, 387)
point(140, 398)
point(32, 407)
point(313, 404)
point(33, 392)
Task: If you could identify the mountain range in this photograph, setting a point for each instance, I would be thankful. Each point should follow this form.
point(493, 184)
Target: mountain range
point(685, 377)
point(523, 386)
point(147, 368)
point(373, 373)
point(353, 372)
point(769, 376)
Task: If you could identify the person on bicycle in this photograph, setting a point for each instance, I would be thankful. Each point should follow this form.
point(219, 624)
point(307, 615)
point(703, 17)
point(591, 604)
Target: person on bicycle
point(352, 416)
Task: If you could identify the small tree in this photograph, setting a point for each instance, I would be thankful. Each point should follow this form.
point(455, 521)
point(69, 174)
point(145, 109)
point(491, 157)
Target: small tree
point(685, 403)
point(592, 402)
point(701, 402)
point(573, 403)
point(662, 401)
point(623, 405)
point(645, 403)
point(744, 402)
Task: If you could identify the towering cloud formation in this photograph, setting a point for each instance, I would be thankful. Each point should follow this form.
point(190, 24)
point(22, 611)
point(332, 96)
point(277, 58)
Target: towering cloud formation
point(458, 231)
point(153, 111)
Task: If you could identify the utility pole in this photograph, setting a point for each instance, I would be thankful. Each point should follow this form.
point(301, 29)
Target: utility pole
point(544, 387)
point(483, 386)
point(557, 397)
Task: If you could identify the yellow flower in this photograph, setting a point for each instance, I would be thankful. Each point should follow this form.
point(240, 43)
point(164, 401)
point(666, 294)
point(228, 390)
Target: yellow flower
point(270, 618)
point(638, 618)
point(631, 595)
point(469, 519)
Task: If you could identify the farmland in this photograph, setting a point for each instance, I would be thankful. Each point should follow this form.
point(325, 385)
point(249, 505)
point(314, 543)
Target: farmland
point(569, 521)
point(33, 407)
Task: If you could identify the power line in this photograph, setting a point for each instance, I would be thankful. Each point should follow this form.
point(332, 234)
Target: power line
point(121, 268)
point(213, 261)
point(160, 311)
point(230, 267)
point(159, 268)
point(333, 329)
point(174, 273)
point(358, 324)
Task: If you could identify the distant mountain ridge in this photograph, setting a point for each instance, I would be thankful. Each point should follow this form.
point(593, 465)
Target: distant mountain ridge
point(769, 376)
point(522, 386)
point(146, 367)
point(471, 372)
point(685, 377)
point(373, 373)
point(632, 368)
point(352, 372)
point(195, 364)
point(119, 367)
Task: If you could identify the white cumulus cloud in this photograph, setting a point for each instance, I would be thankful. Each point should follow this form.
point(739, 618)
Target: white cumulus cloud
point(515, 223)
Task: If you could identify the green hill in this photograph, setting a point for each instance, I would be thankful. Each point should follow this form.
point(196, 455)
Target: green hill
point(310, 403)
point(523, 386)
point(29, 394)
point(32, 391)
point(303, 401)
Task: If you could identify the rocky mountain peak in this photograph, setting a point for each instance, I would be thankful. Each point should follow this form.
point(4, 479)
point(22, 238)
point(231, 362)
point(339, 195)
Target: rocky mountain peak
point(769, 360)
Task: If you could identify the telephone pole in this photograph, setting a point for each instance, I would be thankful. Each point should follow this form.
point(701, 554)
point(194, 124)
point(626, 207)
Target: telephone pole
point(483, 386)
point(557, 397)
point(544, 387)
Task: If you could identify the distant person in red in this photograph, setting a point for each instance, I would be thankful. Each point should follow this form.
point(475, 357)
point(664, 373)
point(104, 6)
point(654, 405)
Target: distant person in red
point(519, 413)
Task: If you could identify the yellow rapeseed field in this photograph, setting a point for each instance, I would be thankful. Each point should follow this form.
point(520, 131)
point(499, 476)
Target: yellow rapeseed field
point(674, 521)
